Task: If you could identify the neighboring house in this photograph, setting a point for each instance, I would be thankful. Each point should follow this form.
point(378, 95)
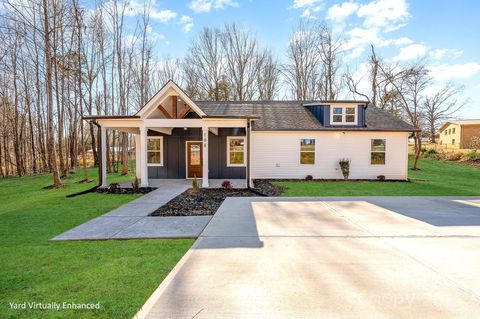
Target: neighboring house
point(459, 134)
point(179, 138)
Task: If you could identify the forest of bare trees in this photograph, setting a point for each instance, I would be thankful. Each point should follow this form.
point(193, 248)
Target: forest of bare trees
point(59, 61)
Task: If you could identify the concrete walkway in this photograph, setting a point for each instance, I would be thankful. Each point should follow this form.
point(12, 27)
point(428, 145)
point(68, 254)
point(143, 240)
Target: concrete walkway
point(131, 220)
point(380, 257)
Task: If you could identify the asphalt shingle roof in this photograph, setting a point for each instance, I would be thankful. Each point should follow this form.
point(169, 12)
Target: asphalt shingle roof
point(293, 116)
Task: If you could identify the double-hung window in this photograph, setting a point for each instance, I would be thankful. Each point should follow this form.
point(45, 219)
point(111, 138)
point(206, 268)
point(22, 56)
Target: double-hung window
point(236, 151)
point(307, 151)
point(155, 151)
point(343, 115)
point(377, 151)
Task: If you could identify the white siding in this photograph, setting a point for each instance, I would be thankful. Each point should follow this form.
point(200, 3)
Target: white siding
point(277, 155)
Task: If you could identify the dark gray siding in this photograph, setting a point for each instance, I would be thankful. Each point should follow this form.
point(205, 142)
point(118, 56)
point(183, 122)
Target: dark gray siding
point(322, 113)
point(174, 161)
point(173, 152)
point(217, 155)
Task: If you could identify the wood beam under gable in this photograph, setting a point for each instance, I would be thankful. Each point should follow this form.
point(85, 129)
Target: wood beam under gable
point(164, 112)
point(174, 106)
point(184, 112)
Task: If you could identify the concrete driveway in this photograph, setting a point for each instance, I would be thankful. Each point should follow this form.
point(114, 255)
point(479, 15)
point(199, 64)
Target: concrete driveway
point(375, 257)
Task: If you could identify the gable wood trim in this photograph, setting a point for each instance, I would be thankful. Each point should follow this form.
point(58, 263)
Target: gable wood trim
point(170, 85)
point(164, 112)
point(184, 112)
point(174, 106)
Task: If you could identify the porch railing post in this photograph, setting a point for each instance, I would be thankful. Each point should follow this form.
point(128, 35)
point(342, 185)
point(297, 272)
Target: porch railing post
point(143, 156)
point(103, 143)
point(205, 156)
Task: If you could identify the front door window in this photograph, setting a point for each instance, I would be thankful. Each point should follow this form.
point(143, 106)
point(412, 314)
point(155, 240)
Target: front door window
point(194, 159)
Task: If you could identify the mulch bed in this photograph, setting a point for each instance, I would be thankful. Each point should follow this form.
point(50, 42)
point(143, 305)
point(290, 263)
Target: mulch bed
point(208, 200)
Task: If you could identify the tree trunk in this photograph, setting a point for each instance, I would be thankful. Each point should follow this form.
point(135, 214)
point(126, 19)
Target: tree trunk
point(48, 69)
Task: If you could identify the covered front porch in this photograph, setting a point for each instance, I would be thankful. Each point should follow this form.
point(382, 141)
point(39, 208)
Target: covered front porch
point(211, 150)
point(176, 139)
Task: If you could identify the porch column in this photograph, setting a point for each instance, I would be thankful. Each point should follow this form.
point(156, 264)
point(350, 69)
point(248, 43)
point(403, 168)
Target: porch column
point(138, 156)
point(143, 156)
point(103, 150)
point(205, 156)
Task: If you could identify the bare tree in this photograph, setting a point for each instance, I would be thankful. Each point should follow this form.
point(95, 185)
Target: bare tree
point(268, 79)
point(303, 68)
point(204, 65)
point(442, 105)
point(409, 84)
point(243, 61)
point(330, 50)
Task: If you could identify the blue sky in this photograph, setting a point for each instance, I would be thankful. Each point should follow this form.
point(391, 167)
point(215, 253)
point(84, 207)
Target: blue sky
point(444, 31)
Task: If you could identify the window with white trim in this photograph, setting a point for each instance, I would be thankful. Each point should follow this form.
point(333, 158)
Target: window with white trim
point(236, 151)
point(343, 115)
point(155, 151)
point(307, 151)
point(378, 151)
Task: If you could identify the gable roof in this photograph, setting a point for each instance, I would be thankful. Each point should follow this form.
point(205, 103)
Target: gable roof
point(294, 116)
point(170, 85)
point(460, 122)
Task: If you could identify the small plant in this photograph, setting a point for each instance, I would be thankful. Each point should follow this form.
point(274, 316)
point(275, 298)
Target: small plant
point(471, 156)
point(113, 186)
point(309, 178)
point(381, 177)
point(195, 185)
point(226, 185)
point(430, 153)
point(135, 185)
point(454, 156)
point(345, 167)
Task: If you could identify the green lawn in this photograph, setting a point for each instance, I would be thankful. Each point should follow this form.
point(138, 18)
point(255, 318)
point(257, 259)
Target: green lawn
point(434, 178)
point(120, 275)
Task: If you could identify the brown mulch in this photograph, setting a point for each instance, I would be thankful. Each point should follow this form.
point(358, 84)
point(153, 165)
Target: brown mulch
point(208, 200)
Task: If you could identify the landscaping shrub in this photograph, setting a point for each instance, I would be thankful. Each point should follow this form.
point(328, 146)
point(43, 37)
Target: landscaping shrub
point(454, 156)
point(471, 156)
point(431, 153)
point(195, 185)
point(135, 185)
point(345, 167)
point(309, 178)
point(226, 185)
point(113, 186)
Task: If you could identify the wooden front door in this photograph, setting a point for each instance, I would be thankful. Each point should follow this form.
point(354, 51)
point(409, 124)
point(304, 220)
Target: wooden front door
point(194, 159)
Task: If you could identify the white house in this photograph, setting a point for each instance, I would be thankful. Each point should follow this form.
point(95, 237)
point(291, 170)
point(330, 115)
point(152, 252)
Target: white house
point(179, 138)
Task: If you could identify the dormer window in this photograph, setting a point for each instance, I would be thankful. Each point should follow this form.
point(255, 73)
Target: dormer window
point(342, 115)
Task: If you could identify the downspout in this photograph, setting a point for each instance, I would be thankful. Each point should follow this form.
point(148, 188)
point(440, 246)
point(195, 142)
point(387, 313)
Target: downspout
point(253, 190)
point(99, 138)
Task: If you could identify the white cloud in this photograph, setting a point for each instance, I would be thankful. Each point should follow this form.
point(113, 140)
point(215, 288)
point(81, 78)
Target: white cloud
point(387, 14)
point(402, 41)
point(205, 6)
point(187, 23)
point(374, 20)
point(411, 52)
point(305, 3)
point(440, 53)
point(163, 16)
point(339, 13)
point(445, 72)
point(308, 6)
point(137, 8)
point(354, 53)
